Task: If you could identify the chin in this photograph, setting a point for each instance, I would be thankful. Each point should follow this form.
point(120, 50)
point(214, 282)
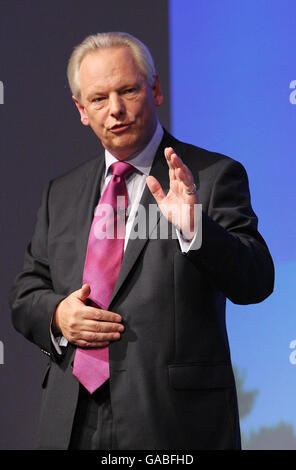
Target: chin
point(124, 149)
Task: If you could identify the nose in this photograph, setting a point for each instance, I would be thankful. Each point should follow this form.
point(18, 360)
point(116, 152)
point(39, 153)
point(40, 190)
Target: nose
point(116, 105)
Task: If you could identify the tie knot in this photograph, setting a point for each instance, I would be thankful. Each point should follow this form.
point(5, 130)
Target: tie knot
point(122, 169)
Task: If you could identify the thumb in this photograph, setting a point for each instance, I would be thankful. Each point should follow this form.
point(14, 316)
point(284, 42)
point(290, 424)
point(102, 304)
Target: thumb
point(84, 292)
point(155, 189)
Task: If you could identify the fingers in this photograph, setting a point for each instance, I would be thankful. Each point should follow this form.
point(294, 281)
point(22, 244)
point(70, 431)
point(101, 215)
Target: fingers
point(93, 333)
point(95, 339)
point(99, 314)
point(177, 169)
point(155, 189)
point(96, 333)
point(175, 162)
point(172, 159)
point(102, 327)
point(98, 325)
point(103, 332)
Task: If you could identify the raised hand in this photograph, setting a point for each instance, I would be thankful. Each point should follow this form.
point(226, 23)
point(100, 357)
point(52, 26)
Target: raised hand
point(180, 203)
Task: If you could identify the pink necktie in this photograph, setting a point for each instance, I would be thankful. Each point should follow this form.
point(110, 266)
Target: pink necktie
point(102, 265)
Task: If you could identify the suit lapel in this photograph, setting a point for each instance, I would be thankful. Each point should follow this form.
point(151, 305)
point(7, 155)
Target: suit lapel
point(86, 202)
point(135, 246)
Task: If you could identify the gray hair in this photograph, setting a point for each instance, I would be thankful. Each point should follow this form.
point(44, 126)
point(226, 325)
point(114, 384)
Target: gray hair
point(139, 51)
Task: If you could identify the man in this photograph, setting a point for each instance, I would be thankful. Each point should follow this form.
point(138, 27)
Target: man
point(152, 321)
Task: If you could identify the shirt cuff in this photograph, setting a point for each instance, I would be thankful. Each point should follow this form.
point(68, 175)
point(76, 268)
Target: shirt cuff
point(58, 342)
point(185, 245)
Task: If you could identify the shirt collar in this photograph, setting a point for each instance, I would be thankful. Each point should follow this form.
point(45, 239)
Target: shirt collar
point(141, 160)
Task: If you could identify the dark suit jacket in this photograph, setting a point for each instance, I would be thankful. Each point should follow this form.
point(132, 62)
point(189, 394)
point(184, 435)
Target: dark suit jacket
point(171, 378)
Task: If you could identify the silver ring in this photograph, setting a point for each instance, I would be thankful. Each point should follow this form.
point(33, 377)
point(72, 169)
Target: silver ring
point(192, 191)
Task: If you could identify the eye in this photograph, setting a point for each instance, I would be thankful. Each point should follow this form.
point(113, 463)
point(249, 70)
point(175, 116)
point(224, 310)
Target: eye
point(99, 99)
point(131, 90)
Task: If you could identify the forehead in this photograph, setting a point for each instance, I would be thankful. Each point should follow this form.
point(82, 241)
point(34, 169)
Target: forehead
point(107, 66)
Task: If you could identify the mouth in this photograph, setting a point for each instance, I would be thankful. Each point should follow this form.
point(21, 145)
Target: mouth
point(118, 128)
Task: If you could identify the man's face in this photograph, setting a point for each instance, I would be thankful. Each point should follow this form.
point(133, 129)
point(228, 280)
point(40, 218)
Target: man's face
point(116, 100)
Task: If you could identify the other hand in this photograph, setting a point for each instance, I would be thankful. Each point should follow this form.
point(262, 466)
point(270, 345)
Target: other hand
point(83, 325)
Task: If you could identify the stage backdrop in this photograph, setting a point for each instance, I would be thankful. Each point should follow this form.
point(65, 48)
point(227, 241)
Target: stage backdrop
point(42, 137)
point(233, 90)
point(233, 80)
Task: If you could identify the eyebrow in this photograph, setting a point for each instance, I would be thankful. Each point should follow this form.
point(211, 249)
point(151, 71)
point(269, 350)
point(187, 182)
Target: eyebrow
point(94, 93)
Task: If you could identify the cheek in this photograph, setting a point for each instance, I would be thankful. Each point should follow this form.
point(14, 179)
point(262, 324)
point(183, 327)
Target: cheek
point(97, 120)
point(141, 113)
point(137, 106)
point(146, 113)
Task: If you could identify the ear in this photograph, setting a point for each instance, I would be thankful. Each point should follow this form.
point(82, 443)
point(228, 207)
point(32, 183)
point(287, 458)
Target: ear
point(156, 90)
point(82, 112)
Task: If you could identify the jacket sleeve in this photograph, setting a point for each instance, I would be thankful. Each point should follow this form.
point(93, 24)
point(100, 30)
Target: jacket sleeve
point(32, 298)
point(232, 253)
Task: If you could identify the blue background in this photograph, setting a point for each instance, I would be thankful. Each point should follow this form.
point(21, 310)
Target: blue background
point(232, 62)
